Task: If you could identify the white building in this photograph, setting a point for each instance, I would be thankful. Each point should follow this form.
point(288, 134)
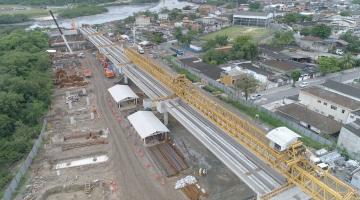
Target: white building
point(252, 18)
point(282, 138)
point(142, 20)
point(123, 96)
point(328, 103)
point(163, 16)
point(150, 129)
point(349, 138)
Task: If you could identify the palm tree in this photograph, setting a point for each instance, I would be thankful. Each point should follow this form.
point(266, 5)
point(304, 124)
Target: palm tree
point(347, 61)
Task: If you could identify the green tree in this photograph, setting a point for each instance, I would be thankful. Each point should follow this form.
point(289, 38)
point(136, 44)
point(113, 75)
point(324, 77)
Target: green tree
point(295, 75)
point(283, 38)
point(210, 44)
point(7, 125)
point(305, 31)
point(156, 37)
point(347, 61)
point(214, 57)
point(345, 13)
point(251, 51)
point(221, 40)
point(254, 6)
point(247, 84)
point(10, 19)
point(353, 42)
point(25, 92)
point(321, 30)
point(178, 33)
point(328, 65)
point(294, 18)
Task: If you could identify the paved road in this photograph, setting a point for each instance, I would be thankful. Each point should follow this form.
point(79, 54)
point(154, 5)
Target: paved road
point(279, 93)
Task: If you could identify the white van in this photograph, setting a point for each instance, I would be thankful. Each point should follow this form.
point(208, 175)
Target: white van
point(140, 50)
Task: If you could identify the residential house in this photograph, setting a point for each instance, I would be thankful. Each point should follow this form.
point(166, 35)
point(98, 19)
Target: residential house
point(231, 74)
point(196, 65)
point(328, 103)
point(349, 138)
point(309, 119)
point(286, 67)
point(345, 90)
point(142, 20)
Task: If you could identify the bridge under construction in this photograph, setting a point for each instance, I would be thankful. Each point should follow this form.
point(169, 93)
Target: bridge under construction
point(241, 146)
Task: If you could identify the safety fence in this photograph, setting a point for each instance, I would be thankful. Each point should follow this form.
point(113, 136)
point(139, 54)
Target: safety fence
point(14, 184)
point(235, 95)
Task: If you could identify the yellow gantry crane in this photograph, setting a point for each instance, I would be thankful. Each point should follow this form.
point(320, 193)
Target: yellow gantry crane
point(319, 184)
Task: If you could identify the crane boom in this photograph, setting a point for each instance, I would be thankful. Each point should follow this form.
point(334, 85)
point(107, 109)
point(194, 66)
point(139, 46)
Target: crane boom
point(292, 163)
point(61, 33)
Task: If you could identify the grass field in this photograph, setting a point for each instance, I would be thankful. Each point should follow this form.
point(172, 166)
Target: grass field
point(258, 33)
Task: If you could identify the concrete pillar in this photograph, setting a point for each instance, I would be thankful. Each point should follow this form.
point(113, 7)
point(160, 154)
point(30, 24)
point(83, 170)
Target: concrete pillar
point(126, 79)
point(87, 101)
point(166, 118)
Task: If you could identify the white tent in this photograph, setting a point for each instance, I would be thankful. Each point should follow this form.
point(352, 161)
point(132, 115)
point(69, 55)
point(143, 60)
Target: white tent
point(122, 93)
point(147, 124)
point(282, 138)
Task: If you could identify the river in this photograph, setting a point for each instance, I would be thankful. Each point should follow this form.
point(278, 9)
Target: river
point(114, 13)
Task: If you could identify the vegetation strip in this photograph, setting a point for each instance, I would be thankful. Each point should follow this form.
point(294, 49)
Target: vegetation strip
point(26, 87)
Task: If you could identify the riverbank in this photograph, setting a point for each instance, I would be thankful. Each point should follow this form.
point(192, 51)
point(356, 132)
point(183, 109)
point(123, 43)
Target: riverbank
point(82, 10)
point(15, 18)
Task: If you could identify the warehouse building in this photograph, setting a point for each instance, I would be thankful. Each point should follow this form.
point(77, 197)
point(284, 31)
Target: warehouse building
point(123, 97)
point(150, 129)
point(252, 18)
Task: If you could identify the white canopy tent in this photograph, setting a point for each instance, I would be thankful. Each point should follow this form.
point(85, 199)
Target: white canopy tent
point(148, 125)
point(282, 138)
point(122, 93)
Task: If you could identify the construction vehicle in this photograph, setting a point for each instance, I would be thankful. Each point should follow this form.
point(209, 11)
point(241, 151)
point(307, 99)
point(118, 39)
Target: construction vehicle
point(107, 67)
point(109, 73)
point(292, 162)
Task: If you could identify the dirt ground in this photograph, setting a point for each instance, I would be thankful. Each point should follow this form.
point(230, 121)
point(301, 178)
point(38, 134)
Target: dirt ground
point(220, 183)
point(129, 173)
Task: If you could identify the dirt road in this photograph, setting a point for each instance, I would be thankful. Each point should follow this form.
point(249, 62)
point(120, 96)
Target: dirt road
point(134, 181)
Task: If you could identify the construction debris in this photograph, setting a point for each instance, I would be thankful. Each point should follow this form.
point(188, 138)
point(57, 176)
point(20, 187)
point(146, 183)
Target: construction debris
point(168, 159)
point(63, 79)
point(87, 135)
point(191, 189)
point(70, 146)
point(187, 180)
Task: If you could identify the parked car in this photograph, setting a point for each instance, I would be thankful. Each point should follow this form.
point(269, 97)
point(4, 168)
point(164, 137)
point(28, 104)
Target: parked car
point(255, 97)
point(304, 84)
point(339, 52)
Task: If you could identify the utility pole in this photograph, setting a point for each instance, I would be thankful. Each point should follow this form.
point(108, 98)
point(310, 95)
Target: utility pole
point(134, 35)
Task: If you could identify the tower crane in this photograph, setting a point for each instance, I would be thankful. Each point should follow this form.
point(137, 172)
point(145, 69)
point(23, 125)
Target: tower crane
point(61, 33)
